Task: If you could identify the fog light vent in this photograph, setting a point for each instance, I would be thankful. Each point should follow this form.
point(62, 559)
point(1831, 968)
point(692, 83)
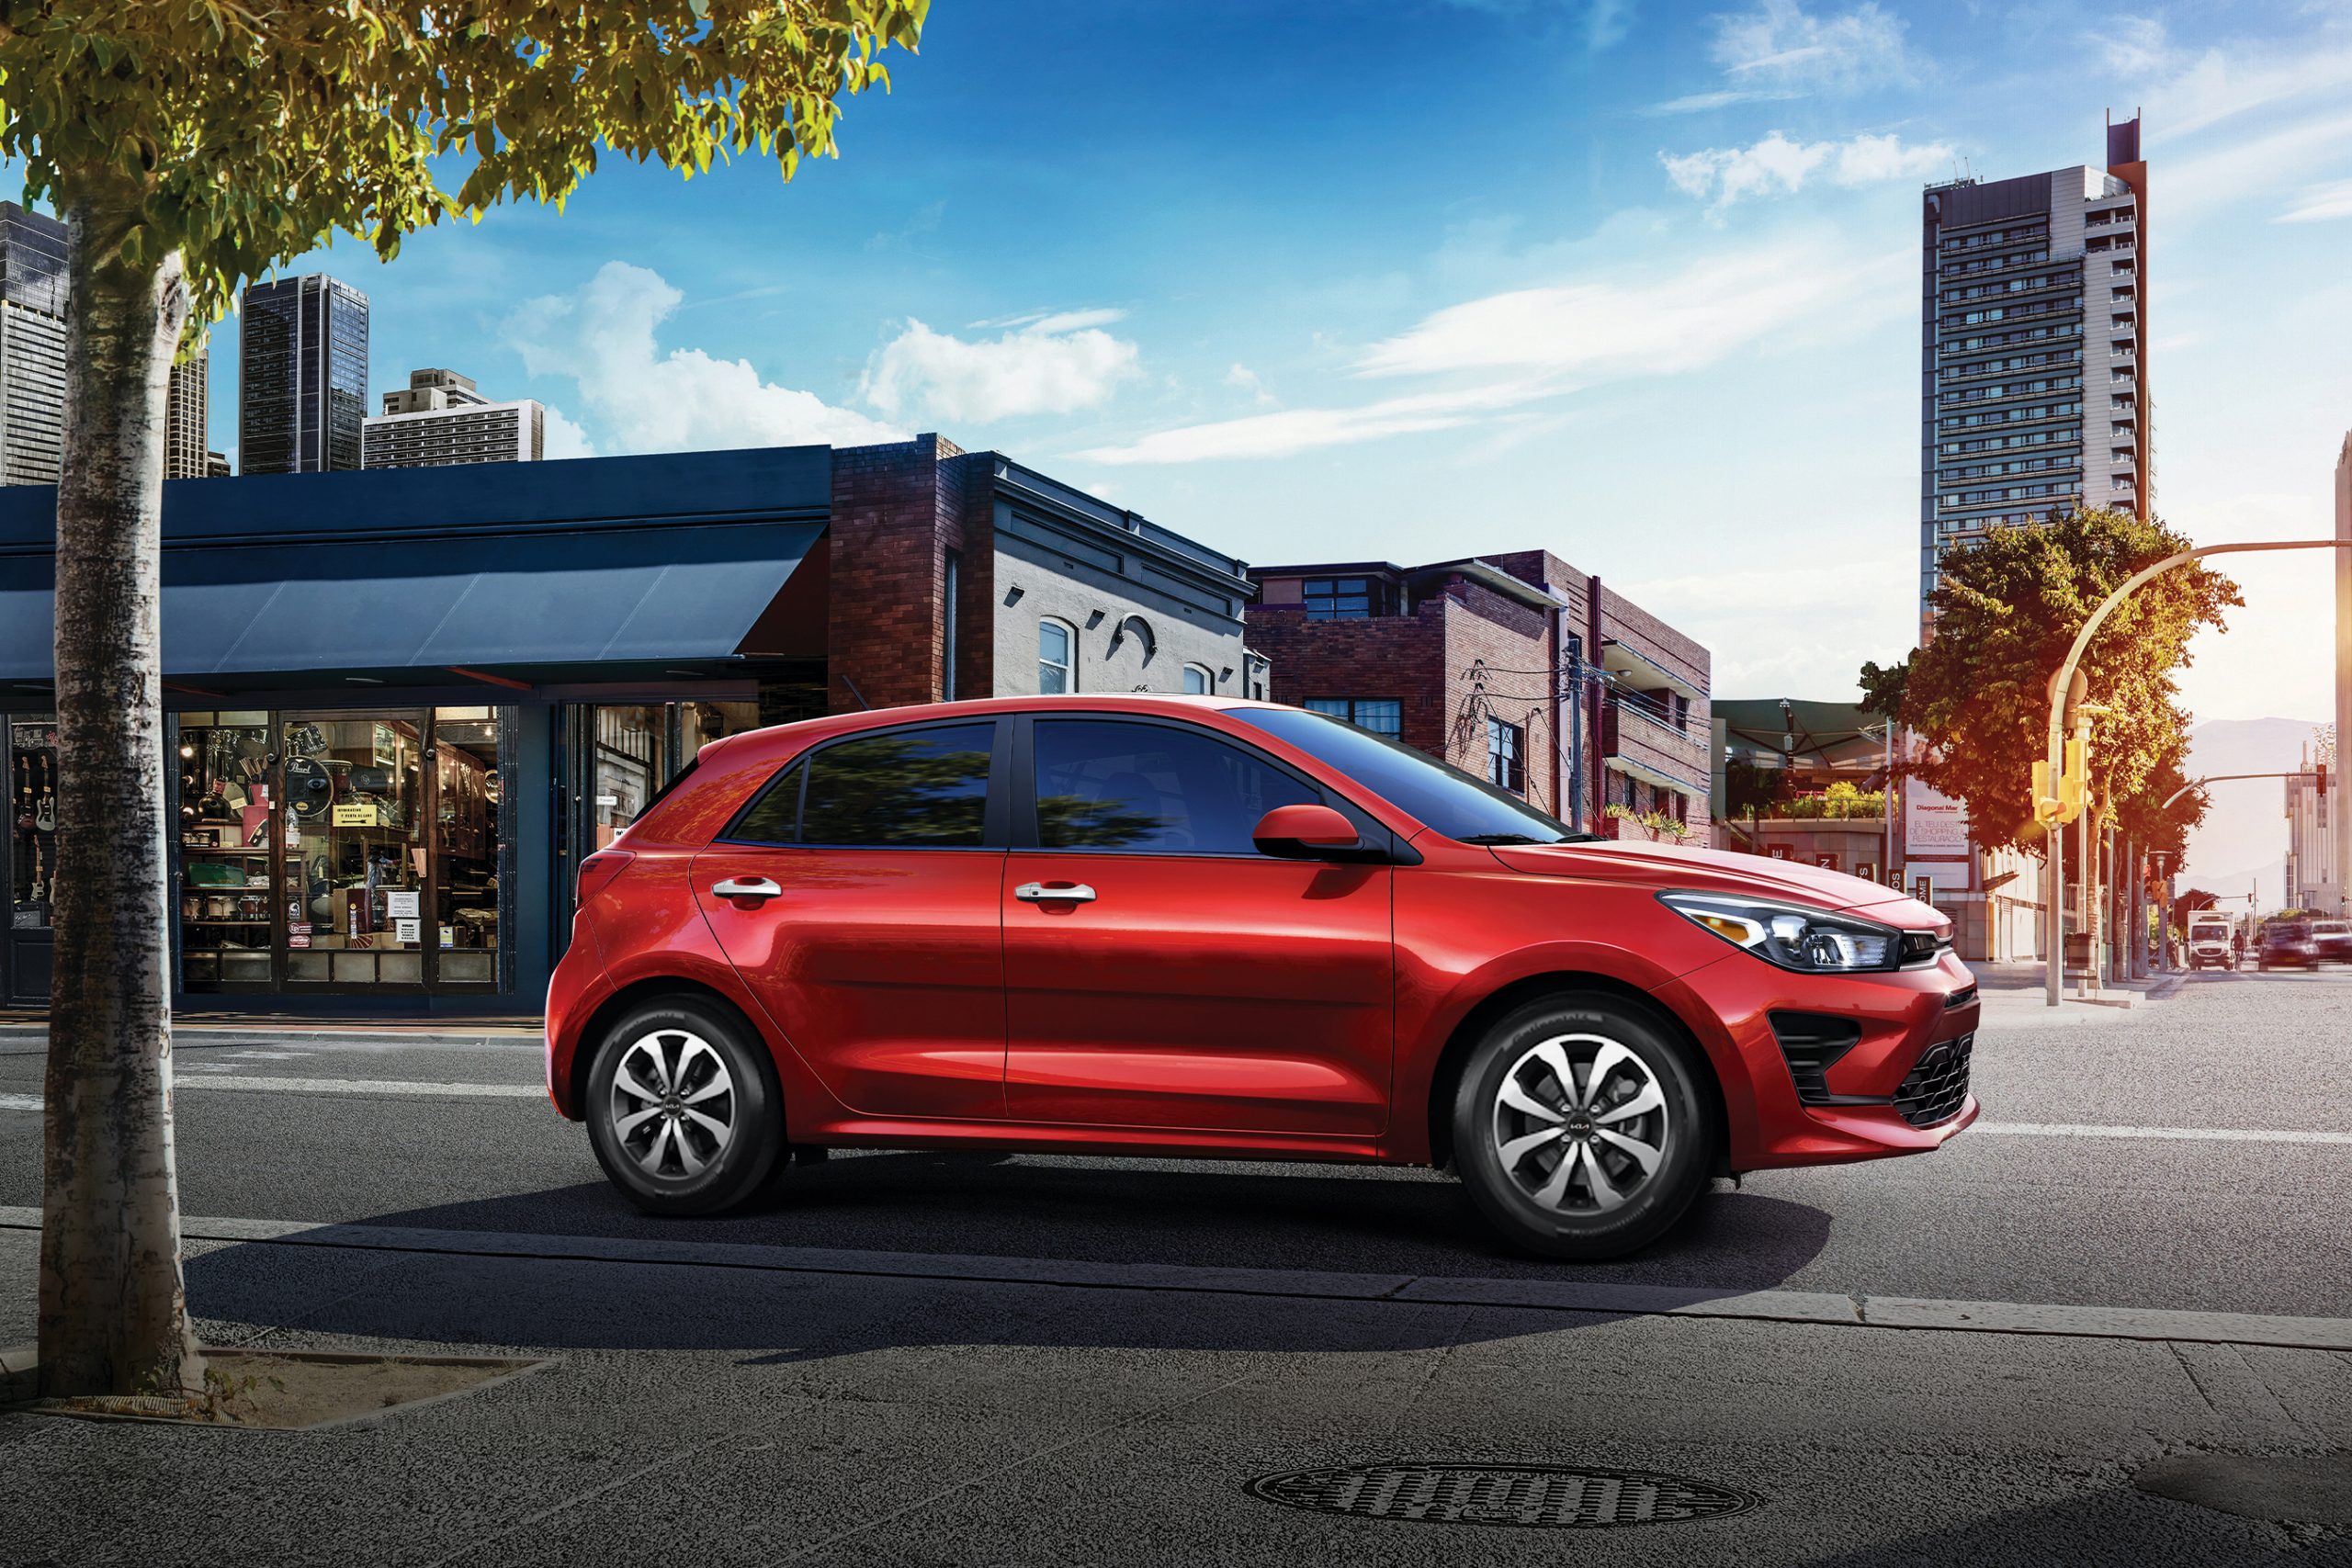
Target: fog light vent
point(1538, 1495)
point(1813, 1041)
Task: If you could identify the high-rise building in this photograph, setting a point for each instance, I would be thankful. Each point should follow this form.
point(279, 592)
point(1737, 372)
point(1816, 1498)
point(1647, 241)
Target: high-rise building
point(2033, 349)
point(184, 453)
point(441, 419)
point(301, 376)
point(32, 346)
point(2343, 738)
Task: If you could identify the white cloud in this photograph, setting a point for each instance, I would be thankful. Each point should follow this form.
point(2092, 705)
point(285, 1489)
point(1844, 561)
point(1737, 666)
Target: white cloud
point(1780, 51)
point(1249, 381)
point(564, 438)
point(1680, 321)
point(1727, 174)
point(1051, 364)
point(2320, 203)
point(1535, 343)
point(2129, 46)
point(601, 335)
point(2221, 83)
point(1781, 44)
point(2268, 166)
point(1294, 431)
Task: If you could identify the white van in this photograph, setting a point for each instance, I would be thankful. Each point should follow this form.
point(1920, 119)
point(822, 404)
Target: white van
point(2208, 942)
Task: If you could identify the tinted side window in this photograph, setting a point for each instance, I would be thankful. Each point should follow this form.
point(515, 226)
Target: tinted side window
point(774, 817)
point(922, 788)
point(1151, 787)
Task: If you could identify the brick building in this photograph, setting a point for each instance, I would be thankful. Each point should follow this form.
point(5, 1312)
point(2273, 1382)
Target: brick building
point(1516, 667)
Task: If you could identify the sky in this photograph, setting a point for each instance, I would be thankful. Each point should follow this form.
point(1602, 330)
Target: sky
point(1413, 279)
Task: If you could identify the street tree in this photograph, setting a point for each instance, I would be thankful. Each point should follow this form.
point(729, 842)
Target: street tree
point(2006, 608)
point(192, 145)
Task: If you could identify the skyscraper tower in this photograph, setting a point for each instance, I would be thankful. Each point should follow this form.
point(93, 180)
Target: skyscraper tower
point(301, 376)
point(189, 408)
point(2033, 350)
point(32, 346)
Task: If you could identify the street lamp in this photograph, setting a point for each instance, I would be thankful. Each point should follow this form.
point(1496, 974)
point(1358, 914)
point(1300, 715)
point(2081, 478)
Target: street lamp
point(2063, 677)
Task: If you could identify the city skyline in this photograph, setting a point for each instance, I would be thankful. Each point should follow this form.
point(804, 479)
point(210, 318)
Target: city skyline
point(1655, 267)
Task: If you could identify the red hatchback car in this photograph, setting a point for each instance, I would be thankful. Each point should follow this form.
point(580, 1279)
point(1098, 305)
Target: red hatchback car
point(1204, 927)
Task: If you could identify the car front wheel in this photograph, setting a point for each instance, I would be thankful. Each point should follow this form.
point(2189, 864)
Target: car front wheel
point(681, 1110)
point(1582, 1128)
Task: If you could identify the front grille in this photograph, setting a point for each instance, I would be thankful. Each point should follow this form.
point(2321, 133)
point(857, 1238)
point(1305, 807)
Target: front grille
point(1938, 1086)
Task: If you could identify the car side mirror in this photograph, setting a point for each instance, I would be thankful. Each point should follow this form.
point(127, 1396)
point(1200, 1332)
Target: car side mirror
point(1305, 832)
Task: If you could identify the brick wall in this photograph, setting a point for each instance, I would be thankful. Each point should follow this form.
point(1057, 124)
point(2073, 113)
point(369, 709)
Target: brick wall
point(1398, 656)
point(896, 511)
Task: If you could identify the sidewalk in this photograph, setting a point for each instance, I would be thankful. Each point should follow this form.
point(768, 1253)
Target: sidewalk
point(22, 1025)
point(2010, 987)
point(715, 1414)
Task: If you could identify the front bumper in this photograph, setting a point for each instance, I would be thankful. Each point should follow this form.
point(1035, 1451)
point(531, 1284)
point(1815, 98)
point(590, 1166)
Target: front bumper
point(1862, 1095)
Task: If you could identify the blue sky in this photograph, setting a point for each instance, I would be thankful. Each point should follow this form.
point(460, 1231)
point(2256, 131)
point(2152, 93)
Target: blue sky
point(1630, 281)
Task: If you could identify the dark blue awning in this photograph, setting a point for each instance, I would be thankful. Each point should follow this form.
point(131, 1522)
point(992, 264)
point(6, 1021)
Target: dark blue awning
point(401, 587)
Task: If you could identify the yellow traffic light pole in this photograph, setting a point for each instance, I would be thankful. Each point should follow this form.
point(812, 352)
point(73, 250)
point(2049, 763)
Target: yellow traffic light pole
point(2065, 758)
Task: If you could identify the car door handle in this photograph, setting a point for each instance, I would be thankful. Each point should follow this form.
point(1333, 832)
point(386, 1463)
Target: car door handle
point(746, 887)
point(1053, 893)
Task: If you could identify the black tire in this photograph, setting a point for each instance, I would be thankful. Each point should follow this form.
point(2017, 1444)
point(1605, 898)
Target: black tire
point(1579, 1223)
point(669, 1162)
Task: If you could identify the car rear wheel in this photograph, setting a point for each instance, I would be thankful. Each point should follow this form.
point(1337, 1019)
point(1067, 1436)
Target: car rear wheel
point(681, 1110)
point(1582, 1127)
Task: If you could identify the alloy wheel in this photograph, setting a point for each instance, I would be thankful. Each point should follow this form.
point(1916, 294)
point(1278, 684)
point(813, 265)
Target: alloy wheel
point(1579, 1123)
point(673, 1104)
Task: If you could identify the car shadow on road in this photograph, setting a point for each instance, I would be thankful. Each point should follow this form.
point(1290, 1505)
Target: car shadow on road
point(919, 1205)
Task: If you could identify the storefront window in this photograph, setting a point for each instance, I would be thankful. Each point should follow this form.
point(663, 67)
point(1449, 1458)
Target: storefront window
point(340, 849)
point(226, 815)
point(33, 814)
point(466, 788)
point(637, 748)
point(355, 792)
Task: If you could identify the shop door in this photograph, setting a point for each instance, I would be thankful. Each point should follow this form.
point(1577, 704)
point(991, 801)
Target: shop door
point(359, 879)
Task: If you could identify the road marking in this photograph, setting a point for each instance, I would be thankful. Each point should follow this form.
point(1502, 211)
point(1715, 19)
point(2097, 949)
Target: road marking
point(361, 1086)
point(1567, 1295)
point(326, 1086)
point(2193, 1134)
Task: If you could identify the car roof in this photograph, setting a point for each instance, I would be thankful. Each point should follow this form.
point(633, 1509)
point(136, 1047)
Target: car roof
point(1165, 704)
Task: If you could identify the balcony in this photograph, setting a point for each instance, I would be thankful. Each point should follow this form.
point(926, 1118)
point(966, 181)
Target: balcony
point(1636, 739)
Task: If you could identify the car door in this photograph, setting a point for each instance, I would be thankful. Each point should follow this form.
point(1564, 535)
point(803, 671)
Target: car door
point(1160, 971)
point(859, 896)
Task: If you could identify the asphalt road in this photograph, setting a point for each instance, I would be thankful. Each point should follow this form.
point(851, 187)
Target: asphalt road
point(2245, 1226)
point(762, 1405)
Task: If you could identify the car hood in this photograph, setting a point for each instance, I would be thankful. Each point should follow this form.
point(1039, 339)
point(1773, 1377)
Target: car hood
point(1682, 869)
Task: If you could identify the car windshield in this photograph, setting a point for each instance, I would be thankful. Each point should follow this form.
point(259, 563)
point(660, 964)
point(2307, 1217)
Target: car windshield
point(1446, 799)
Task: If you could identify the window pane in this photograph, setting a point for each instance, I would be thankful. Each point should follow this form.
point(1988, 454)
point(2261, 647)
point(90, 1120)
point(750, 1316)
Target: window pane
point(774, 817)
point(1380, 717)
point(1053, 658)
point(1336, 706)
point(925, 788)
point(468, 788)
point(1107, 786)
point(1196, 680)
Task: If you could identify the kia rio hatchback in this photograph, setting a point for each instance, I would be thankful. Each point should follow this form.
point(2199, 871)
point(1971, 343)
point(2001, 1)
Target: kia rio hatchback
point(1200, 927)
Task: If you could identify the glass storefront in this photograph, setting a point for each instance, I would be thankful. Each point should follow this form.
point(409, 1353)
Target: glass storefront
point(338, 850)
point(637, 748)
point(32, 806)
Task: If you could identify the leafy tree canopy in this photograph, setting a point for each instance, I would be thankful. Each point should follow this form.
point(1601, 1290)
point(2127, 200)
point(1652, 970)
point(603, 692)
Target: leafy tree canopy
point(257, 128)
point(2007, 610)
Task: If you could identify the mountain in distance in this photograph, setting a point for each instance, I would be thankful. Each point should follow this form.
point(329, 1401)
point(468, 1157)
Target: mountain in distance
point(2242, 844)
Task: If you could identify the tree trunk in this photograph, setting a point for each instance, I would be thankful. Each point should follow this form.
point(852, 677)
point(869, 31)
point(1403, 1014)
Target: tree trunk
point(113, 1311)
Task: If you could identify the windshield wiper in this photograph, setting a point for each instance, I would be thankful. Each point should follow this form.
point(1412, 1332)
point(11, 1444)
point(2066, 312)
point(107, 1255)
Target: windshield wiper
point(1491, 839)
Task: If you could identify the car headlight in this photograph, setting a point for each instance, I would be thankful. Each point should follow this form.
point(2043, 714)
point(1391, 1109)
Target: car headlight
point(1795, 936)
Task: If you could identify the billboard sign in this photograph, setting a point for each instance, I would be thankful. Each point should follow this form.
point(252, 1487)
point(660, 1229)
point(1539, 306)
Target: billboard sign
point(1935, 825)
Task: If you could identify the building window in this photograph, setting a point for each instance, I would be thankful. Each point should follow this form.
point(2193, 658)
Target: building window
point(1381, 716)
point(1057, 640)
point(1338, 598)
point(1199, 682)
point(951, 577)
point(1504, 742)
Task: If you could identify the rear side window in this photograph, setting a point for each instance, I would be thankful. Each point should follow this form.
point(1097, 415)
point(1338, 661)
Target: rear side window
point(908, 789)
point(774, 817)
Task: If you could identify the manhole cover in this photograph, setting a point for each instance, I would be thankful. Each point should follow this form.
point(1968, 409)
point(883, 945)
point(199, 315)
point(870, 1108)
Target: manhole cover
point(1559, 1496)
